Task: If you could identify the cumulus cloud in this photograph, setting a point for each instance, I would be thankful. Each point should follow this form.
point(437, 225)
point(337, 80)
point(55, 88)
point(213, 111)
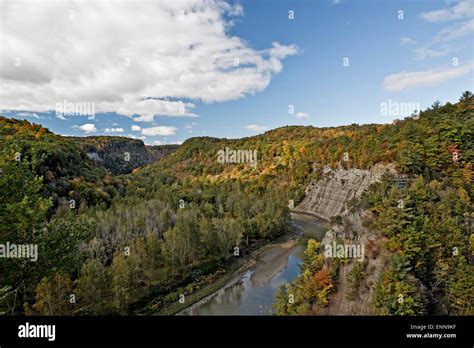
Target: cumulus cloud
point(139, 59)
point(113, 130)
point(133, 136)
point(136, 128)
point(145, 110)
point(159, 130)
point(406, 80)
point(255, 128)
point(302, 115)
point(87, 128)
point(160, 142)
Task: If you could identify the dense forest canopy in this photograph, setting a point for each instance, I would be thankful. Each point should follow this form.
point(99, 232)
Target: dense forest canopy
point(133, 243)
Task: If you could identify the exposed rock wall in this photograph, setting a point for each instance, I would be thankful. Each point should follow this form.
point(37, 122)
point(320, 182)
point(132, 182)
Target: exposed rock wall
point(328, 197)
point(121, 155)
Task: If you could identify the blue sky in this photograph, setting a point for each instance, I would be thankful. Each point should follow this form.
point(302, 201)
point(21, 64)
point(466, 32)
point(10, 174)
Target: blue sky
point(425, 56)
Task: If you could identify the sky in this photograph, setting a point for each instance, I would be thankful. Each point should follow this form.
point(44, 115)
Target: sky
point(165, 71)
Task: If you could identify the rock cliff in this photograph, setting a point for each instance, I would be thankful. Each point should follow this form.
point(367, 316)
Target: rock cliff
point(328, 197)
point(121, 155)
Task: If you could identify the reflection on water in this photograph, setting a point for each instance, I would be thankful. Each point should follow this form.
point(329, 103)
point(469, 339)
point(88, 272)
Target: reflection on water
point(245, 299)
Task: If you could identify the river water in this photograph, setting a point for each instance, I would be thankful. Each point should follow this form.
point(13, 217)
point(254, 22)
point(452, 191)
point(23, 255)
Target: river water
point(248, 297)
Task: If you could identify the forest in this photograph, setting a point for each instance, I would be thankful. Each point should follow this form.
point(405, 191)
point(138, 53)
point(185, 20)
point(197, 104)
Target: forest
point(136, 240)
point(424, 232)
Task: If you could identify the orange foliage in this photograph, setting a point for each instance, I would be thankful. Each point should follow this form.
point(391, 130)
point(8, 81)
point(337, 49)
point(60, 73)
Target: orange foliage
point(323, 277)
point(107, 177)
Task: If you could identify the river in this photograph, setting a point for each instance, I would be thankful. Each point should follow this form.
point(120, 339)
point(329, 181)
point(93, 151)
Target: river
point(253, 291)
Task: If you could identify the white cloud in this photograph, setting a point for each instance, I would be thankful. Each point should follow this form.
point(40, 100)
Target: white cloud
point(139, 59)
point(145, 110)
point(133, 136)
point(460, 10)
point(28, 114)
point(406, 80)
point(455, 31)
point(335, 2)
point(461, 14)
point(423, 53)
point(136, 128)
point(113, 130)
point(87, 128)
point(159, 130)
point(255, 128)
point(160, 142)
point(302, 115)
point(407, 41)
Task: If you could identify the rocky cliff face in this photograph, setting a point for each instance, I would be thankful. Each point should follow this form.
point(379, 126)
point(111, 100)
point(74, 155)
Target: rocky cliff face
point(157, 152)
point(121, 155)
point(328, 197)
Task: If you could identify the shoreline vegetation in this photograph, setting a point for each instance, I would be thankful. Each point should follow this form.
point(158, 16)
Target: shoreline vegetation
point(276, 249)
point(268, 260)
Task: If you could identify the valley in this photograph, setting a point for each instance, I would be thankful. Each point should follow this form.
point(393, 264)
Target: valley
point(176, 228)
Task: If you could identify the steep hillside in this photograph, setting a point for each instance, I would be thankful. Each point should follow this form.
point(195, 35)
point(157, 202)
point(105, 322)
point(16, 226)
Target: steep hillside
point(121, 155)
point(399, 245)
point(78, 168)
point(157, 152)
point(293, 156)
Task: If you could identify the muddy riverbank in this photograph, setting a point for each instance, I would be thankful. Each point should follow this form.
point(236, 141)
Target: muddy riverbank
point(252, 289)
